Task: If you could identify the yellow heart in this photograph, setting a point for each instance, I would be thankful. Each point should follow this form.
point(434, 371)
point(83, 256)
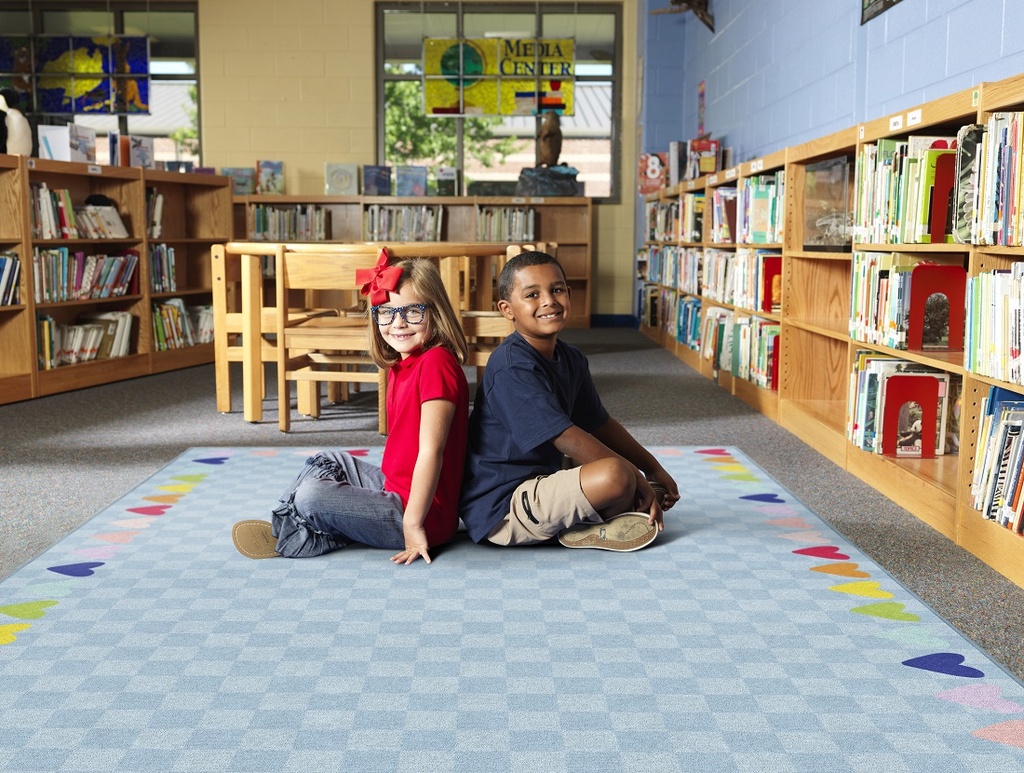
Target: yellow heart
point(182, 488)
point(870, 590)
point(7, 632)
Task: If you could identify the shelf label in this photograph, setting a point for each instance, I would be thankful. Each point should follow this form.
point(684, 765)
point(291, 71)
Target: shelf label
point(730, 174)
point(31, 163)
point(913, 118)
point(518, 199)
point(536, 200)
point(860, 132)
point(691, 184)
point(94, 169)
point(756, 166)
point(713, 179)
point(896, 123)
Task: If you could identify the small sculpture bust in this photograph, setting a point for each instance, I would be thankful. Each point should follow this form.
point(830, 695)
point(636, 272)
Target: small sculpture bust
point(16, 136)
point(549, 139)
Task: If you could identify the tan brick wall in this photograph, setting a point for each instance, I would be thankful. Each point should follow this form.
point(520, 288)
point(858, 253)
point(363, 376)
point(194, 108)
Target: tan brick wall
point(293, 81)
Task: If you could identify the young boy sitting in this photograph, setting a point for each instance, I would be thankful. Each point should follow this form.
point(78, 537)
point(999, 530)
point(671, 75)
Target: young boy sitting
point(537, 406)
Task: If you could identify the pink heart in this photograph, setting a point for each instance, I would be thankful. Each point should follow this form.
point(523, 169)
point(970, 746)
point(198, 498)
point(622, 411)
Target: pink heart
point(150, 509)
point(823, 551)
point(790, 523)
point(133, 523)
point(987, 697)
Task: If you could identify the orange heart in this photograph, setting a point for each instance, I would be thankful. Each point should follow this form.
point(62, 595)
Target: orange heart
point(842, 569)
point(169, 499)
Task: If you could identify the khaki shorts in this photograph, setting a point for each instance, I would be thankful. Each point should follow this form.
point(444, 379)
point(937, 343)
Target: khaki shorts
point(542, 508)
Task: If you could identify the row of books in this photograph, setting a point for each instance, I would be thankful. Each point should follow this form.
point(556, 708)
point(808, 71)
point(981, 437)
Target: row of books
point(687, 322)
point(95, 336)
point(62, 275)
point(889, 415)
point(997, 484)
point(990, 181)
point(681, 268)
point(903, 190)
point(162, 276)
point(884, 307)
point(723, 215)
point(505, 224)
point(177, 326)
point(10, 276)
point(402, 223)
point(55, 217)
point(994, 334)
point(760, 208)
point(300, 222)
point(748, 278)
point(745, 346)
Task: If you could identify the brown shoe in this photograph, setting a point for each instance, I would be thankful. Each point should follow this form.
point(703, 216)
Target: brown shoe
point(621, 533)
point(254, 539)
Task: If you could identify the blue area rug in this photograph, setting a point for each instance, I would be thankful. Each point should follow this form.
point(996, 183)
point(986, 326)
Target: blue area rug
point(748, 637)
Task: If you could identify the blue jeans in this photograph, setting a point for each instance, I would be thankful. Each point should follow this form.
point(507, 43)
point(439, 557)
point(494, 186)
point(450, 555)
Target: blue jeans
point(335, 500)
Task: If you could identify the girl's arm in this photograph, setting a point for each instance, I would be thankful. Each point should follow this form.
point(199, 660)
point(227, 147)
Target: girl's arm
point(435, 420)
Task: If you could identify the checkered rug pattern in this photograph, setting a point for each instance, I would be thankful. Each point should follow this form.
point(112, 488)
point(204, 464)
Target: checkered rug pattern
point(748, 637)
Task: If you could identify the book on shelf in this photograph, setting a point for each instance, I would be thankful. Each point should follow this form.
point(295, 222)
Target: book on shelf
point(676, 161)
point(702, 157)
point(140, 151)
point(652, 172)
point(172, 325)
point(154, 213)
point(341, 179)
point(118, 149)
point(828, 205)
point(117, 336)
point(376, 180)
point(447, 181)
point(162, 277)
point(269, 177)
point(71, 142)
point(968, 147)
point(243, 179)
point(10, 276)
point(182, 167)
point(410, 180)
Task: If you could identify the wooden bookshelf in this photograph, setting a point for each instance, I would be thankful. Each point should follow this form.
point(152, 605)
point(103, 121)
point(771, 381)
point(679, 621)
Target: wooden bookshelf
point(817, 349)
point(565, 221)
point(196, 215)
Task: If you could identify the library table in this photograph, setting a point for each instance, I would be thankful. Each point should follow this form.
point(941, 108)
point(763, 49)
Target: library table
point(243, 261)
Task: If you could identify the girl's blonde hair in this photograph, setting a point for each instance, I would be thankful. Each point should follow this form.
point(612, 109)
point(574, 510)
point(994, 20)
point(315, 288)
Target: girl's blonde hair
point(421, 277)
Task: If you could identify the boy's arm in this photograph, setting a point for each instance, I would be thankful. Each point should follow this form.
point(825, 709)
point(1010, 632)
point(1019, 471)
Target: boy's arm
point(617, 438)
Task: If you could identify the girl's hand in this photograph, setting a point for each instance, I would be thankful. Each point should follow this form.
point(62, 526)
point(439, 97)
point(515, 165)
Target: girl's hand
point(415, 546)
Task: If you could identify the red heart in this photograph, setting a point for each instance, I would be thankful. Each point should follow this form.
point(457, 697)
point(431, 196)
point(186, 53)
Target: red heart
point(150, 509)
point(823, 551)
point(714, 451)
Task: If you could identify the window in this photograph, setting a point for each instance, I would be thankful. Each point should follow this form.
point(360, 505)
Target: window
point(173, 118)
point(490, 152)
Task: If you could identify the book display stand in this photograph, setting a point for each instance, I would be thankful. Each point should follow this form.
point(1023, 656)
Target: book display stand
point(968, 263)
point(194, 214)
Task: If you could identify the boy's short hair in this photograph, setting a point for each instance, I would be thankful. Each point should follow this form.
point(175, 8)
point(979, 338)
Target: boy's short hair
point(507, 280)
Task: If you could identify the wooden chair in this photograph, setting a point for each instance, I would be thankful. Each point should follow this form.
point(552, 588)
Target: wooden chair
point(323, 349)
point(245, 323)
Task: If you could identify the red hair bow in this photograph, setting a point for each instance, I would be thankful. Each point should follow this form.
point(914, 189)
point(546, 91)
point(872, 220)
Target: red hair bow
point(379, 280)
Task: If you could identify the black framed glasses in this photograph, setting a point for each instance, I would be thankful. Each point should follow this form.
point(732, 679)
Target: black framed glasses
point(413, 314)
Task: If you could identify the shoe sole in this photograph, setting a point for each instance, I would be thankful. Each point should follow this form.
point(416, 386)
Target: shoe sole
point(622, 534)
point(254, 539)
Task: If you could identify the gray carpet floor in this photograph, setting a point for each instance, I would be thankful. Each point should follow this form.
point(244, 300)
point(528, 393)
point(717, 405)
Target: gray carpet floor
point(66, 457)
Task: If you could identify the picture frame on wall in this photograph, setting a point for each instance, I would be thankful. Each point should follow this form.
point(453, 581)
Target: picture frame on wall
point(871, 8)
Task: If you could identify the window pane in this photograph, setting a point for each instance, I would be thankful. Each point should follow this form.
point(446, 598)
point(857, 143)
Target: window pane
point(499, 25)
point(78, 22)
point(172, 33)
point(15, 22)
point(404, 33)
point(595, 38)
point(410, 137)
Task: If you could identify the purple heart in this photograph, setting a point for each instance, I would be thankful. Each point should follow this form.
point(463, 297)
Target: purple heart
point(949, 663)
point(773, 498)
point(84, 569)
point(212, 460)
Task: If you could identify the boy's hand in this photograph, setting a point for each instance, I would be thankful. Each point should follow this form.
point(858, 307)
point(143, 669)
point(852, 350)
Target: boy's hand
point(669, 491)
point(647, 502)
point(415, 546)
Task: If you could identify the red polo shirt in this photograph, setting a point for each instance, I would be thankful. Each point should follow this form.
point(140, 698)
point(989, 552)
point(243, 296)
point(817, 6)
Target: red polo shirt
point(433, 374)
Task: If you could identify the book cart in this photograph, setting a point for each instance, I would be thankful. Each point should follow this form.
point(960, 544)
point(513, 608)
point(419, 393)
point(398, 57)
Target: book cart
point(565, 221)
point(820, 338)
point(196, 214)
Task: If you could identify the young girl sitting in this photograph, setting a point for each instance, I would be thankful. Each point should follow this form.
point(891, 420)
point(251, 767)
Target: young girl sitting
point(410, 502)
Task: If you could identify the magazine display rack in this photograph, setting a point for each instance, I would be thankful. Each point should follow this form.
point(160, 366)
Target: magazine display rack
point(565, 221)
point(827, 233)
point(194, 214)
